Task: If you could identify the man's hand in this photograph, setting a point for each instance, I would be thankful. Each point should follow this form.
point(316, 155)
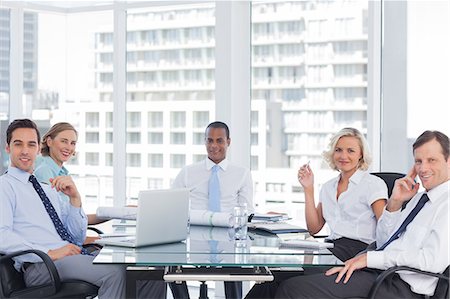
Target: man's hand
point(66, 185)
point(404, 189)
point(69, 249)
point(356, 263)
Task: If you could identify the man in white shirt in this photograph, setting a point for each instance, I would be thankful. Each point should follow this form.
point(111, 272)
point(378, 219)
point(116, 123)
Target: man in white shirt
point(423, 245)
point(235, 181)
point(235, 184)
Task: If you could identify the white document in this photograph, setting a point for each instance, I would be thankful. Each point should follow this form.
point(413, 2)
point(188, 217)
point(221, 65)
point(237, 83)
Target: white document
point(128, 213)
point(204, 217)
point(305, 244)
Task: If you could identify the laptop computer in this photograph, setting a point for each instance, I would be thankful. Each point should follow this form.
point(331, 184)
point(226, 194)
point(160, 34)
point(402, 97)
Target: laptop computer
point(162, 217)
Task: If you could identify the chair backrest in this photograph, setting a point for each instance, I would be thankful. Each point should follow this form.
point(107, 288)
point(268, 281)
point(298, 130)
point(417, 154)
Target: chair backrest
point(442, 286)
point(11, 279)
point(389, 178)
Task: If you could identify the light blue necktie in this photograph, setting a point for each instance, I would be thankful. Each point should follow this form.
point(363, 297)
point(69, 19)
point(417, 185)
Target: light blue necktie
point(214, 190)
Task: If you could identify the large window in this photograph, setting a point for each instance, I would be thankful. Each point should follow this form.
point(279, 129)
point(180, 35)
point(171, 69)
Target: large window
point(313, 71)
point(169, 65)
point(307, 60)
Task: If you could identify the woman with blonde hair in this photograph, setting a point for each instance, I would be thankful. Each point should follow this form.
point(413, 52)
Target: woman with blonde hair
point(57, 147)
point(350, 203)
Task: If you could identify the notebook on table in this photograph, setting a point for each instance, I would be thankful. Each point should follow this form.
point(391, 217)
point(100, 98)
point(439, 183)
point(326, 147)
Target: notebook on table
point(162, 217)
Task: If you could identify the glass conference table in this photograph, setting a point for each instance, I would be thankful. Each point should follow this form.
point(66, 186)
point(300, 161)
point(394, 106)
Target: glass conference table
point(212, 254)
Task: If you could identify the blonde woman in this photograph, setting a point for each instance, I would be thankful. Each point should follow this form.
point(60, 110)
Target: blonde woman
point(351, 202)
point(57, 147)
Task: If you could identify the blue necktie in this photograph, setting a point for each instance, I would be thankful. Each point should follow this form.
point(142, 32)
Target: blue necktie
point(63, 233)
point(213, 258)
point(407, 221)
point(214, 190)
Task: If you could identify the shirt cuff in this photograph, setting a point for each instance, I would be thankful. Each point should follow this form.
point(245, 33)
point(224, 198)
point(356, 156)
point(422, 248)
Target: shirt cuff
point(390, 216)
point(375, 259)
point(77, 211)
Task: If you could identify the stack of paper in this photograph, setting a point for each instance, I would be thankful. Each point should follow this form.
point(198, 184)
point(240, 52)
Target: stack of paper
point(277, 227)
point(305, 244)
point(269, 217)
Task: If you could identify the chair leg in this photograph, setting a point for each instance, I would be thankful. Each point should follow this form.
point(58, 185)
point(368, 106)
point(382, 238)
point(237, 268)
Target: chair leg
point(203, 291)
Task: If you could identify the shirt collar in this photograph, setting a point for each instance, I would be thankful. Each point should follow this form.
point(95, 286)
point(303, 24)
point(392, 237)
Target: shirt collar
point(53, 166)
point(354, 179)
point(223, 164)
point(19, 174)
point(437, 192)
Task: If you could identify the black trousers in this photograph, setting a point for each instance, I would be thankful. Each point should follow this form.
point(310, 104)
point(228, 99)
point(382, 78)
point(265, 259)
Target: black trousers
point(322, 286)
point(344, 249)
point(233, 290)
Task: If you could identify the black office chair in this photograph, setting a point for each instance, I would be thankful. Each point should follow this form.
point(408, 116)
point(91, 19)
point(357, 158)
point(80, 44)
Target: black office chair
point(12, 284)
point(389, 178)
point(441, 288)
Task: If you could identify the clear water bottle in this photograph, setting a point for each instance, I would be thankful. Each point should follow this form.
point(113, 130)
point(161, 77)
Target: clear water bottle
point(240, 216)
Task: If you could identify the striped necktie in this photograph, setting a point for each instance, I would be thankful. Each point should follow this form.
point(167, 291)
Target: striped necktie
point(62, 231)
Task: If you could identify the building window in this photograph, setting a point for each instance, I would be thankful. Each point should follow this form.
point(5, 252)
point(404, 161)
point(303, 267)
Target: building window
point(133, 137)
point(177, 119)
point(155, 160)
point(133, 119)
point(109, 120)
point(92, 119)
point(200, 119)
point(254, 139)
point(155, 119)
point(108, 159)
point(155, 138)
point(92, 159)
point(177, 161)
point(254, 162)
point(109, 137)
point(92, 137)
point(134, 160)
point(155, 183)
point(198, 138)
point(177, 138)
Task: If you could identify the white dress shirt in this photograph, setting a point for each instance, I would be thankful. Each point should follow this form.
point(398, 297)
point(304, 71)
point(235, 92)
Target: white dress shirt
point(24, 222)
point(351, 215)
point(424, 245)
point(236, 185)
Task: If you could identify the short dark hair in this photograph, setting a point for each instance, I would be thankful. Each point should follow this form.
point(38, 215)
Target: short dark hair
point(21, 123)
point(440, 137)
point(219, 125)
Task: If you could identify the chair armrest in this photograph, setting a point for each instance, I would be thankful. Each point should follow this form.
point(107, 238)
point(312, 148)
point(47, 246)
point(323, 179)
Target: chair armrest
point(391, 271)
point(54, 276)
point(98, 231)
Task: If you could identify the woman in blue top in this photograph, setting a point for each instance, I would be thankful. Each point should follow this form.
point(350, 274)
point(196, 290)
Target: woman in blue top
point(57, 147)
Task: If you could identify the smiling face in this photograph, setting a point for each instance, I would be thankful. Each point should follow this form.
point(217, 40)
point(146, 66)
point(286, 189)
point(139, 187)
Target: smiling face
point(23, 148)
point(62, 147)
point(430, 164)
point(217, 143)
point(347, 154)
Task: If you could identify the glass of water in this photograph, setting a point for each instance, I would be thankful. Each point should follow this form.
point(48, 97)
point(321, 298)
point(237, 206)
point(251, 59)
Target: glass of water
point(240, 217)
